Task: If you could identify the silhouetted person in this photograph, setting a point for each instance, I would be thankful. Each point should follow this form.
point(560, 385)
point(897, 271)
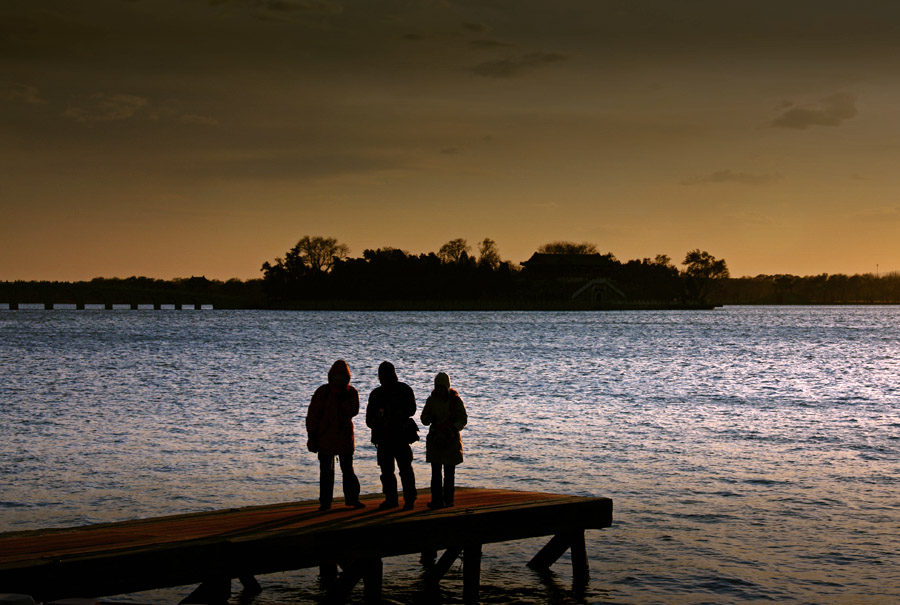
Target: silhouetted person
point(329, 422)
point(389, 415)
point(445, 413)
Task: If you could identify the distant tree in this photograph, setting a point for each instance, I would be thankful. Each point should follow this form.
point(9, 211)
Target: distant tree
point(311, 258)
point(454, 251)
point(567, 248)
point(488, 255)
point(317, 253)
point(702, 271)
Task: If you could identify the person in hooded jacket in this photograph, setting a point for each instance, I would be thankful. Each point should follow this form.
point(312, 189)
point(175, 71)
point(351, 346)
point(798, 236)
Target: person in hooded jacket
point(446, 415)
point(329, 424)
point(389, 415)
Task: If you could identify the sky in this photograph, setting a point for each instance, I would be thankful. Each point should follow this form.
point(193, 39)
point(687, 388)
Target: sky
point(178, 138)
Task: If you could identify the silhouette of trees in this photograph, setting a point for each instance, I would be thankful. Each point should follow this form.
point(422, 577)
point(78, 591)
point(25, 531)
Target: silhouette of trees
point(454, 251)
point(702, 271)
point(567, 248)
point(488, 254)
point(307, 261)
point(315, 253)
point(318, 273)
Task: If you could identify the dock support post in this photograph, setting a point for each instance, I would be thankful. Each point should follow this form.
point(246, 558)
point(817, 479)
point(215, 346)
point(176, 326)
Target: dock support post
point(440, 569)
point(554, 549)
point(328, 573)
point(369, 570)
point(580, 567)
point(250, 584)
point(471, 573)
point(372, 580)
point(216, 589)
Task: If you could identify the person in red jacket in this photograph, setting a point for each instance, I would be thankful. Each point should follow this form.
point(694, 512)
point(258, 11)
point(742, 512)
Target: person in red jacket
point(329, 424)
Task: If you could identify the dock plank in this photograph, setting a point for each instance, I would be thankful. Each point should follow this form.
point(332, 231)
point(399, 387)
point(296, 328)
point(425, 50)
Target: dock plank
point(130, 556)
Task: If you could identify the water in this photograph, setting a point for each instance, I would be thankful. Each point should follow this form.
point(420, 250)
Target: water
point(751, 453)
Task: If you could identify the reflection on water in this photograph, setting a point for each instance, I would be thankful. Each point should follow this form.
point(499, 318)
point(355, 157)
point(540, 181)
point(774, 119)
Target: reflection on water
point(751, 453)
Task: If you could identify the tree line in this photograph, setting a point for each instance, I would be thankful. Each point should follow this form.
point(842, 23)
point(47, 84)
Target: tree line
point(318, 272)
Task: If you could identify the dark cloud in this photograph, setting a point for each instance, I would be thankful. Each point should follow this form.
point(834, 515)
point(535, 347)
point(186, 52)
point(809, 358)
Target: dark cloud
point(729, 176)
point(516, 66)
point(288, 6)
point(25, 93)
point(480, 28)
point(293, 166)
point(488, 43)
point(830, 111)
point(292, 6)
point(102, 107)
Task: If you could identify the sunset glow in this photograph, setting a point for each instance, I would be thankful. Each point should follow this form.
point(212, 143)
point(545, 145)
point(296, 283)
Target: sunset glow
point(176, 138)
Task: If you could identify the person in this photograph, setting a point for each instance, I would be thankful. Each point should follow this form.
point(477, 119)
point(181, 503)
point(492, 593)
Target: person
point(389, 415)
point(329, 424)
point(446, 415)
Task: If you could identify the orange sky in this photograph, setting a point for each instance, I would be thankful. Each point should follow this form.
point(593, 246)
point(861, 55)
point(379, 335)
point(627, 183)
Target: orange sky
point(172, 138)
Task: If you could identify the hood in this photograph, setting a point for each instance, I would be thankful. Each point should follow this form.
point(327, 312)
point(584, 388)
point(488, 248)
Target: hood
point(339, 374)
point(442, 380)
point(387, 373)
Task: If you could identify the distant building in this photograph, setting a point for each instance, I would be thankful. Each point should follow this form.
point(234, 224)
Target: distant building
point(569, 267)
point(574, 277)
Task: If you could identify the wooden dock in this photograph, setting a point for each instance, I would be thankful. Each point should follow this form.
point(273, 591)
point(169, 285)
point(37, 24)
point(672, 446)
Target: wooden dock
point(213, 547)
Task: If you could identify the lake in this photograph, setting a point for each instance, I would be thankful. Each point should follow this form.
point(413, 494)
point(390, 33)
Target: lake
point(752, 453)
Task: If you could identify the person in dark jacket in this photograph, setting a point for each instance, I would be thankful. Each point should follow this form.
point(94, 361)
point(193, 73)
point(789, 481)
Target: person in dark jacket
point(389, 415)
point(329, 424)
point(445, 413)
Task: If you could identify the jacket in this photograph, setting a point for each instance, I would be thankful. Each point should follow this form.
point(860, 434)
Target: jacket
point(329, 420)
point(390, 407)
point(446, 415)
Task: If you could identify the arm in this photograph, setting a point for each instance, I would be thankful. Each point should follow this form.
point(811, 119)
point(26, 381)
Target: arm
point(374, 411)
point(350, 403)
point(426, 413)
point(461, 416)
point(314, 412)
point(409, 402)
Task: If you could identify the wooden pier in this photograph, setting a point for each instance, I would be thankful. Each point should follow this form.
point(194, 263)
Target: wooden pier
point(211, 548)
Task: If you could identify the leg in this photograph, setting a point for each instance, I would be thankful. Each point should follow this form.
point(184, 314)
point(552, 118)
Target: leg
point(388, 479)
point(326, 480)
point(349, 481)
point(437, 487)
point(449, 483)
point(407, 476)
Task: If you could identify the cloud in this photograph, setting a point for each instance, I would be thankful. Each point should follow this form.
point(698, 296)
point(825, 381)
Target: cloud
point(190, 118)
point(289, 6)
point(830, 111)
point(292, 6)
point(516, 66)
point(476, 27)
point(14, 91)
point(729, 176)
point(880, 216)
point(101, 107)
point(488, 43)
